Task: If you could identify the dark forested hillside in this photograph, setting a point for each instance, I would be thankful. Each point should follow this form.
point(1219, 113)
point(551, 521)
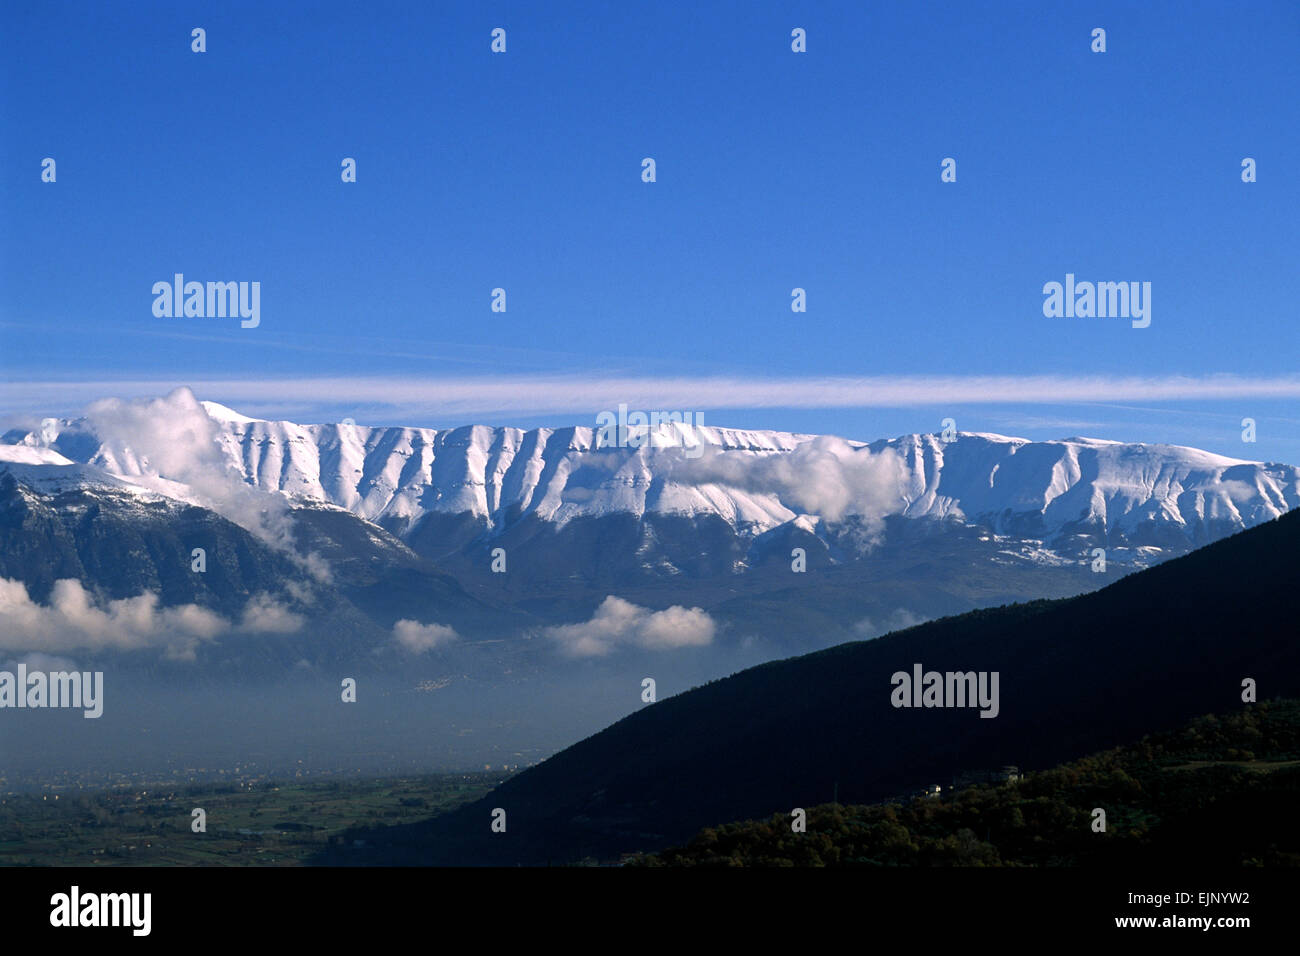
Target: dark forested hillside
point(1222, 791)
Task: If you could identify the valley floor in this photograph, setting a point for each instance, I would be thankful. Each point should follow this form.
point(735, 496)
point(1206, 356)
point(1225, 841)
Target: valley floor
point(278, 824)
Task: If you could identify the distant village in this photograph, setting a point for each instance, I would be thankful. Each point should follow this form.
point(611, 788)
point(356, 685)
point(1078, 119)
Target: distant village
point(969, 778)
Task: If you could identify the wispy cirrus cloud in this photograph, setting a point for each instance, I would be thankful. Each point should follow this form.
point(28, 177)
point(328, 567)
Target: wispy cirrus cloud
point(561, 394)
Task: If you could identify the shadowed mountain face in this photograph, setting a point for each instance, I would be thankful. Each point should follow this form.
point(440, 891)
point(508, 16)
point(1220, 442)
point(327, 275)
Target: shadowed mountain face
point(1077, 675)
point(121, 542)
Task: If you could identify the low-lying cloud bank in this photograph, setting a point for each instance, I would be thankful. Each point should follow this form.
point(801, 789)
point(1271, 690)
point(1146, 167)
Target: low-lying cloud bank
point(417, 638)
point(619, 623)
point(73, 621)
point(826, 476)
point(899, 620)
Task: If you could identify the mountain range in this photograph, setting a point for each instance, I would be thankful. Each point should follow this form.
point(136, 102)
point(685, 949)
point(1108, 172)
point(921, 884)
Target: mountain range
point(444, 491)
point(492, 531)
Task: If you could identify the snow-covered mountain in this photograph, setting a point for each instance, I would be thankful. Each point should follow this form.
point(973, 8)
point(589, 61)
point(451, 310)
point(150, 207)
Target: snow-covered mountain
point(369, 533)
point(1135, 493)
point(445, 489)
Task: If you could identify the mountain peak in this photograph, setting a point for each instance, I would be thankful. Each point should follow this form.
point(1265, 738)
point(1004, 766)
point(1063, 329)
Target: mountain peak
point(221, 413)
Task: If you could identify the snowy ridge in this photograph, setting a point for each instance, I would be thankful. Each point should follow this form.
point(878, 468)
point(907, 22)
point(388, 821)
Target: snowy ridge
point(555, 473)
point(47, 472)
point(1111, 485)
point(753, 480)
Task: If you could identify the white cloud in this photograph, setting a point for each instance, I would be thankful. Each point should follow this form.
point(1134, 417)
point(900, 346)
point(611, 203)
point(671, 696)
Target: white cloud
point(1015, 424)
point(263, 614)
point(299, 592)
point(72, 621)
point(899, 620)
point(826, 476)
point(172, 439)
point(41, 662)
point(582, 393)
point(417, 638)
point(619, 622)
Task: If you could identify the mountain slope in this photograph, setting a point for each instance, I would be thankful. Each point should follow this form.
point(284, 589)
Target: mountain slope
point(60, 520)
point(1240, 769)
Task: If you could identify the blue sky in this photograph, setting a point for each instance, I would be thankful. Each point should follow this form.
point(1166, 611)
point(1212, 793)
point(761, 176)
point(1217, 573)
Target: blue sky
point(775, 170)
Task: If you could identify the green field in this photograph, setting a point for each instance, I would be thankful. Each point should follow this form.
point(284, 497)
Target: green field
point(275, 824)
